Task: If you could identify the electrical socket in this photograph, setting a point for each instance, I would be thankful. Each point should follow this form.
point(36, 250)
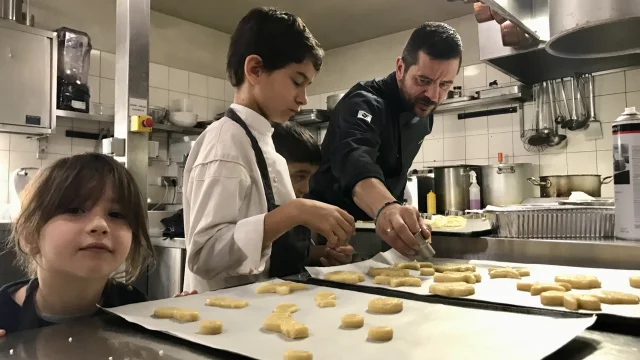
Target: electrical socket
point(171, 181)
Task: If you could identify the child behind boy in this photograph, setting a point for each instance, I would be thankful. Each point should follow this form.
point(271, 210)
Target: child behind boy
point(80, 219)
point(234, 179)
point(302, 153)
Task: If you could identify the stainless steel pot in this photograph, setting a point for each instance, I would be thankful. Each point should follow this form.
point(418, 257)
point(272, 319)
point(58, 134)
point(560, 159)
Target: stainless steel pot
point(452, 186)
point(563, 185)
point(332, 100)
point(506, 184)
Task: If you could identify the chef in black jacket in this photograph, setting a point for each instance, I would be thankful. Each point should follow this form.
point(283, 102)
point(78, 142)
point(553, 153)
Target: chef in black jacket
point(376, 130)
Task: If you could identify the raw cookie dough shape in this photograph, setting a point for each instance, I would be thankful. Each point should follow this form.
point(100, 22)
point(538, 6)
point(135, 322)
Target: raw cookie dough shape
point(280, 287)
point(475, 274)
point(504, 274)
point(273, 321)
point(387, 271)
point(454, 289)
point(409, 265)
point(538, 289)
point(166, 312)
point(347, 277)
point(210, 327)
point(615, 297)
point(583, 282)
point(454, 267)
point(227, 303)
point(454, 277)
point(385, 306)
point(380, 333)
point(425, 264)
point(577, 302)
point(293, 329)
point(325, 295)
point(297, 355)
point(405, 281)
point(427, 271)
point(185, 315)
point(286, 308)
point(521, 271)
point(634, 282)
point(326, 303)
point(352, 321)
point(552, 298)
point(382, 280)
point(526, 286)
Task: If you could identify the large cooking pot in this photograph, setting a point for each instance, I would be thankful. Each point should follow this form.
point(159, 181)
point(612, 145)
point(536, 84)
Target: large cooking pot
point(563, 185)
point(332, 100)
point(506, 184)
point(452, 186)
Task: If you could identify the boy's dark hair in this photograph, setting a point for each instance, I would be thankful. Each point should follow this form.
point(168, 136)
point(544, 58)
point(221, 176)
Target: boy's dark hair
point(279, 38)
point(296, 144)
point(438, 40)
point(80, 181)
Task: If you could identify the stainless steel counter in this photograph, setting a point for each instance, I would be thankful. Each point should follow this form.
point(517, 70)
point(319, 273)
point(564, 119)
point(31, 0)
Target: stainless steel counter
point(108, 337)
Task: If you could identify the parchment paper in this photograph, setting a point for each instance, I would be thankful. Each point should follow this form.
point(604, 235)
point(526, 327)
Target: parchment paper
point(503, 291)
point(420, 331)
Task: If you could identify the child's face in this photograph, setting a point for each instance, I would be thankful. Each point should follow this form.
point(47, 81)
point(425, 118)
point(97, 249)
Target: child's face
point(281, 93)
point(300, 174)
point(87, 243)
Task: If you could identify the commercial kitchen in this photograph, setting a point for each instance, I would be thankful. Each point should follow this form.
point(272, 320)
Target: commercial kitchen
point(540, 124)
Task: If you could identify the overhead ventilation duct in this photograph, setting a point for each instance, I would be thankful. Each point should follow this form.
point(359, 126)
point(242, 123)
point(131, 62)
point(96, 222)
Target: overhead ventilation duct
point(593, 28)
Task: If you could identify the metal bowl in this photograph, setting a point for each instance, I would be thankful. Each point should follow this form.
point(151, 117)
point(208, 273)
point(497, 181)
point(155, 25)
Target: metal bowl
point(159, 114)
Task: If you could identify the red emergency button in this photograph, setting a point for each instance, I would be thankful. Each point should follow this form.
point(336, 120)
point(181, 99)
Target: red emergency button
point(148, 122)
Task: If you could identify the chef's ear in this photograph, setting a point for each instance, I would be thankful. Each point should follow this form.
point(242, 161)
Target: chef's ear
point(400, 68)
point(253, 68)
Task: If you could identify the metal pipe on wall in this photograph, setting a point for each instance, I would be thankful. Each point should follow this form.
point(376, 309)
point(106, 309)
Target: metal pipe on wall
point(132, 88)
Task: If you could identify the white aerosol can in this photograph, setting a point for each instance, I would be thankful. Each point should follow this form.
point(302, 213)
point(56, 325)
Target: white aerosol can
point(626, 173)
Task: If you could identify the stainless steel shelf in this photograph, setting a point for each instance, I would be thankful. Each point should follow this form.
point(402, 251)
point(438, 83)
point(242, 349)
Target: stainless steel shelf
point(481, 103)
point(110, 118)
point(83, 116)
point(178, 129)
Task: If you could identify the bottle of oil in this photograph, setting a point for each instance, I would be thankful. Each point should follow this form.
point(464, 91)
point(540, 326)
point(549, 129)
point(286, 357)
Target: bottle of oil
point(431, 203)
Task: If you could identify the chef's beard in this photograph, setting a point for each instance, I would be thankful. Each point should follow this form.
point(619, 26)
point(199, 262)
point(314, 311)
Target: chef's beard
point(412, 103)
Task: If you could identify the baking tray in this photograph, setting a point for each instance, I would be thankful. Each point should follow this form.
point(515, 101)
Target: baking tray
point(553, 222)
point(420, 329)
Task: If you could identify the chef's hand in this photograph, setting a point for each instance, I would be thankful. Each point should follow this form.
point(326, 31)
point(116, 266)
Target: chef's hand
point(397, 224)
point(187, 293)
point(2, 333)
point(335, 224)
point(339, 256)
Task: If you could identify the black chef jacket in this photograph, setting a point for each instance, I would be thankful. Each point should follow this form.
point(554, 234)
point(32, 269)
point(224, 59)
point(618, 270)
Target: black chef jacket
point(372, 134)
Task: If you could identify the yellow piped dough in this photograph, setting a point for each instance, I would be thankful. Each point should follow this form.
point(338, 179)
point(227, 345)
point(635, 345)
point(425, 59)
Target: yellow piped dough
point(352, 321)
point(227, 303)
point(280, 287)
point(380, 333)
point(454, 267)
point(454, 277)
point(405, 281)
point(387, 271)
point(165, 312)
point(385, 306)
point(347, 277)
point(583, 282)
point(427, 271)
point(615, 297)
point(326, 303)
point(634, 282)
point(185, 315)
point(552, 298)
point(408, 265)
point(325, 295)
point(297, 355)
point(454, 289)
point(475, 274)
point(275, 320)
point(293, 329)
point(504, 274)
point(210, 327)
point(425, 264)
point(577, 302)
point(286, 308)
point(538, 289)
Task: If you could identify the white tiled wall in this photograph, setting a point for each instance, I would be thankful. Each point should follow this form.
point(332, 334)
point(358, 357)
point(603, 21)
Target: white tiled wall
point(478, 140)
point(209, 96)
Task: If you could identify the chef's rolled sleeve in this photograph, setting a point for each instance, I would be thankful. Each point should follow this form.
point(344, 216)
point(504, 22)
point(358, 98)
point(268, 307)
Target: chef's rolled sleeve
point(353, 159)
point(218, 241)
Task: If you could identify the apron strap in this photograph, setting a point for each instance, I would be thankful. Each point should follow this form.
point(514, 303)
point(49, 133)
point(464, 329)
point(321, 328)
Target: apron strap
point(260, 160)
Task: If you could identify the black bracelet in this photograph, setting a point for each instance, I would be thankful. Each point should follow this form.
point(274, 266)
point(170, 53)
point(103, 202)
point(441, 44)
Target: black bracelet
point(375, 220)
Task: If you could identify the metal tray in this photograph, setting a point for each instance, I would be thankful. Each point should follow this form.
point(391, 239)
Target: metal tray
point(554, 222)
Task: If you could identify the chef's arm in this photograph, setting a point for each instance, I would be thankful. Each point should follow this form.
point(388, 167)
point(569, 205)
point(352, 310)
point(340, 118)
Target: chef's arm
point(370, 195)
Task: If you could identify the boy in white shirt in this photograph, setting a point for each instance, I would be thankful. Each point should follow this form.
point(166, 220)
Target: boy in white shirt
point(234, 179)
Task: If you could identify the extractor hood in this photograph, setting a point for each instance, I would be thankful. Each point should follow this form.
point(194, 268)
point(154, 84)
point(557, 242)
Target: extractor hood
point(569, 20)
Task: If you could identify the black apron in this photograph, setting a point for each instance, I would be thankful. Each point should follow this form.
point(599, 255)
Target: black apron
point(290, 251)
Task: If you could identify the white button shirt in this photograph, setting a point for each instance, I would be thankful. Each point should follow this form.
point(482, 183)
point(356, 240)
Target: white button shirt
point(224, 203)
